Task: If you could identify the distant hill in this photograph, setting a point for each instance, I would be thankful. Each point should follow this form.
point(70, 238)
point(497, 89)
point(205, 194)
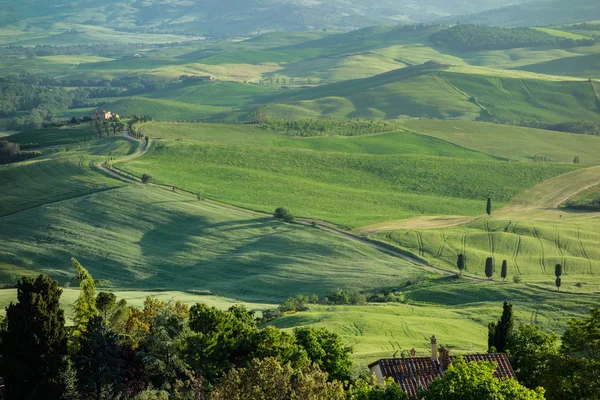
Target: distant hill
point(535, 13)
point(232, 17)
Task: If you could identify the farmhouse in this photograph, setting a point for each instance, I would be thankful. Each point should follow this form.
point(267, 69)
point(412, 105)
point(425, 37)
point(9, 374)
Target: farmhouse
point(102, 115)
point(418, 372)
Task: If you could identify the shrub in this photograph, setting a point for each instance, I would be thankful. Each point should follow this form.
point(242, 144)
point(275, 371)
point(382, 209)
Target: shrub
point(517, 279)
point(146, 179)
point(283, 214)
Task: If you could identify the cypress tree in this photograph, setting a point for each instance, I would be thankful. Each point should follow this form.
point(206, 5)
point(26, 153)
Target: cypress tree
point(34, 342)
point(499, 334)
point(460, 263)
point(489, 267)
point(558, 270)
point(504, 271)
point(558, 283)
point(488, 207)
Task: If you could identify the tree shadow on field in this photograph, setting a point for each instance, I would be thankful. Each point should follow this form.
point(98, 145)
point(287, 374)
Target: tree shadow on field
point(260, 265)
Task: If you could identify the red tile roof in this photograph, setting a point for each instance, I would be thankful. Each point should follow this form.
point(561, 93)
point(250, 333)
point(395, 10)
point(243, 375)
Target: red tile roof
point(413, 373)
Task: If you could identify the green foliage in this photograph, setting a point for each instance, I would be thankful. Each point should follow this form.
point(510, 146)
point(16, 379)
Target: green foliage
point(587, 200)
point(504, 271)
point(85, 305)
point(326, 350)
point(476, 381)
point(530, 350)
point(468, 37)
point(489, 267)
point(362, 389)
point(328, 127)
point(460, 263)
point(488, 206)
point(283, 214)
point(97, 360)
point(340, 296)
point(499, 333)
point(269, 379)
point(146, 179)
point(33, 347)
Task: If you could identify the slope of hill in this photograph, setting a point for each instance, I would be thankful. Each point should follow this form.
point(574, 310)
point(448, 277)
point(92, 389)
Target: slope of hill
point(584, 66)
point(535, 13)
point(233, 17)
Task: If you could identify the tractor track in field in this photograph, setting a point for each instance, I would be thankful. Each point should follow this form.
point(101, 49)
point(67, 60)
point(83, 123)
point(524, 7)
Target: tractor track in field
point(542, 254)
point(421, 245)
point(490, 236)
point(516, 254)
point(442, 244)
point(563, 259)
point(585, 255)
point(46, 170)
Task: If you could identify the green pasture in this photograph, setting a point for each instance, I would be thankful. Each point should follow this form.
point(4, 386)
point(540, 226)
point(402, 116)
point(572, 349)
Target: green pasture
point(587, 66)
point(150, 239)
point(512, 142)
point(455, 311)
point(65, 169)
point(163, 109)
point(561, 33)
point(531, 247)
point(326, 185)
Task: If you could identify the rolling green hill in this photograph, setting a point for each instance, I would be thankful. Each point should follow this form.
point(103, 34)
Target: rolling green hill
point(584, 66)
point(511, 142)
point(321, 184)
point(586, 200)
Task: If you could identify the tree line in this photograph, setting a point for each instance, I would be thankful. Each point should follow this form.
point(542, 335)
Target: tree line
point(11, 152)
point(469, 37)
point(168, 350)
point(331, 126)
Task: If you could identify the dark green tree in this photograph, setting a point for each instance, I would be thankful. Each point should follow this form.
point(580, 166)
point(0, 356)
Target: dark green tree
point(283, 214)
point(326, 350)
point(97, 360)
point(499, 333)
point(104, 302)
point(558, 283)
point(489, 267)
point(530, 350)
point(558, 270)
point(504, 271)
point(488, 207)
point(460, 263)
point(476, 381)
point(33, 344)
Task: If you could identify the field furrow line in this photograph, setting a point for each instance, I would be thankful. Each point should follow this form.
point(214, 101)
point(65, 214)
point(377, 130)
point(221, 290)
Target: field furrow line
point(421, 246)
point(442, 244)
point(46, 170)
point(542, 255)
point(8, 179)
point(490, 237)
point(583, 251)
point(516, 254)
point(28, 173)
point(563, 259)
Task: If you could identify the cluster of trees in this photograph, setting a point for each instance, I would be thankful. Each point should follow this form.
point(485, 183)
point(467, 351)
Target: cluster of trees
point(107, 128)
point(470, 37)
point(284, 214)
point(567, 367)
point(80, 49)
point(164, 350)
point(328, 126)
point(11, 152)
point(173, 351)
point(336, 296)
point(582, 127)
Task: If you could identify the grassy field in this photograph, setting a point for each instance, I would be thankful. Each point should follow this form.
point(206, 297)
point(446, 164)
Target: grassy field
point(149, 239)
point(587, 66)
point(376, 185)
point(455, 311)
point(511, 142)
point(65, 169)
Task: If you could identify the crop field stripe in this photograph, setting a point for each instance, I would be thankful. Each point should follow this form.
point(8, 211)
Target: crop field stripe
point(442, 244)
point(24, 168)
point(61, 201)
point(46, 170)
point(421, 246)
point(542, 255)
point(516, 254)
point(583, 250)
point(560, 251)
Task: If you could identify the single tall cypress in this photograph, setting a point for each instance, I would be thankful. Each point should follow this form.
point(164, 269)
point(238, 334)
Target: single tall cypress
point(489, 267)
point(498, 334)
point(558, 272)
point(488, 207)
point(460, 263)
point(34, 342)
point(504, 271)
